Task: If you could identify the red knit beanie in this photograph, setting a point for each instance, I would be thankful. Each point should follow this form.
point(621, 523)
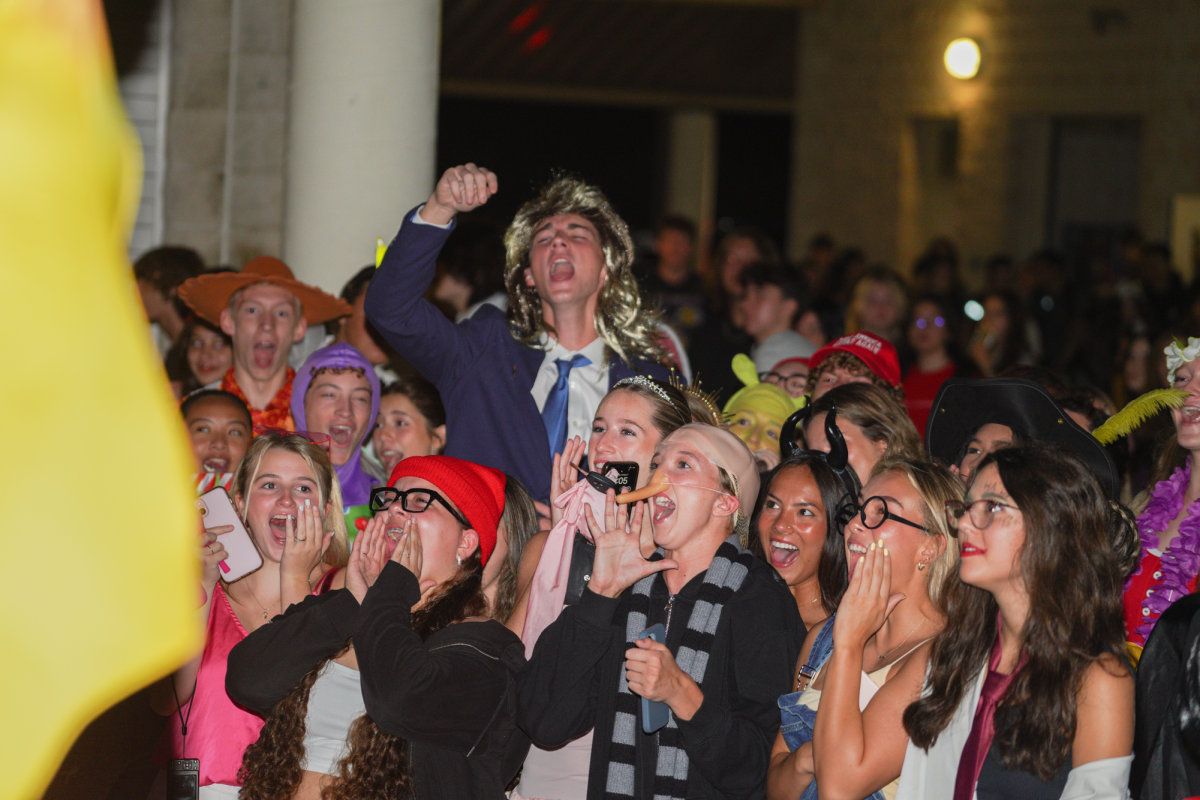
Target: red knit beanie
point(477, 491)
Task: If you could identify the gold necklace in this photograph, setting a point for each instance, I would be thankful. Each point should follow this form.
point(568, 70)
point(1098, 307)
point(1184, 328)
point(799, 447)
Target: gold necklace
point(902, 641)
point(265, 614)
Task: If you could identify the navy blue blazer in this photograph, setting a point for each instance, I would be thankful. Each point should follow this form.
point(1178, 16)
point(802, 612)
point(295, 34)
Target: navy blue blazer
point(483, 374)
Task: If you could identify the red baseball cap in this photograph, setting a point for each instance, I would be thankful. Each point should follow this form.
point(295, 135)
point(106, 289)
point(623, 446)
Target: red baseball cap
point(878, 354)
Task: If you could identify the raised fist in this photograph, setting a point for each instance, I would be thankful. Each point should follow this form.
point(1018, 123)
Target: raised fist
point(461, 188)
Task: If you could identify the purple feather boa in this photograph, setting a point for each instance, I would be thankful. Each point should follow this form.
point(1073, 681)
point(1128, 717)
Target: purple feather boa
point(1181, 561)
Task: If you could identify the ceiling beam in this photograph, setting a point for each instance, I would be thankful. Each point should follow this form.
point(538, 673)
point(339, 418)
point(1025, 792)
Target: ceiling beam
point(745, 3)
point(612, 97)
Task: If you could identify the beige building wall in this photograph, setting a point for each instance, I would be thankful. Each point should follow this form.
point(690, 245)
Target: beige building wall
point(298, 128)
point(869, 68)
point(226, 124)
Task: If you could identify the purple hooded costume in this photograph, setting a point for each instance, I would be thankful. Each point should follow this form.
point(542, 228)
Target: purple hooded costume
point(356, 483)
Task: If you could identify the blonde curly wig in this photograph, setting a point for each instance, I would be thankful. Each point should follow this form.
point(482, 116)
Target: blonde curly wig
point(626, 327)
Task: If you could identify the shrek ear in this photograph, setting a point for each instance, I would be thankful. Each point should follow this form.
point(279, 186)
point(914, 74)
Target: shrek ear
point(745, 370)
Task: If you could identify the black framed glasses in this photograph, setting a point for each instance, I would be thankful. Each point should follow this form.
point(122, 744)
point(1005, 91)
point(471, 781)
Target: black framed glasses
point(981, 512)
point(414, 501)
point(790, 383)
point(872, 511)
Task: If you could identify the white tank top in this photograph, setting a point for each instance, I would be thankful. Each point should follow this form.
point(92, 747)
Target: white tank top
point(333, 704)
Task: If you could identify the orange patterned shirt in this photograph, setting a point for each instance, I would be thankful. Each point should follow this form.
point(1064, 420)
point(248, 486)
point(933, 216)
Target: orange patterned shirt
point(278, 413)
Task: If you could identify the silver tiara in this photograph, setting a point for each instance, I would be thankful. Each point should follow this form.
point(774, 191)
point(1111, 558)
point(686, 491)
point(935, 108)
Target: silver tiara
point(649, 383)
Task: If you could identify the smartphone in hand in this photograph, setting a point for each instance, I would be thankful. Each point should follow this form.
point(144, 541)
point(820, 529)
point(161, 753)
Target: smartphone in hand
point(654, 712)
point(617, 475)
point(623, 473)
point(216, 509)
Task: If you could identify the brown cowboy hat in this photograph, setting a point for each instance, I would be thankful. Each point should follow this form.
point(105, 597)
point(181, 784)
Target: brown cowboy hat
point(208, 295)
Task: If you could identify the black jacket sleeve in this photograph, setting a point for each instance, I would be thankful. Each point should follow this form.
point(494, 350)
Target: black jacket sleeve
point(559, 688)
point(444, 691)
point(1164, 765)
point(730, 745)
point(265, 665)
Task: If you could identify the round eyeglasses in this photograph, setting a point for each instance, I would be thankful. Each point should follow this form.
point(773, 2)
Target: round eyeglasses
point(414, 501)
point(790, 383)
point(872, 511)
point(981, 512)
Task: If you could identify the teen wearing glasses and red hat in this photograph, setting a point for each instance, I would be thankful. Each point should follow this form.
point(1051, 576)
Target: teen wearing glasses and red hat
point(399, 685)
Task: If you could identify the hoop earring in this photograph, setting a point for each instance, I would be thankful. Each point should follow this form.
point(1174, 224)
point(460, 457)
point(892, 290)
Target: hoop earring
point(922, 565)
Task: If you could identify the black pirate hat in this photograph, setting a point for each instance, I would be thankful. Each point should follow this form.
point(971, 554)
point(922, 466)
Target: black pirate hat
point(963, 405)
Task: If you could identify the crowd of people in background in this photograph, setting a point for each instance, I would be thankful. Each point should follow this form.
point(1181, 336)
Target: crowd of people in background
point(543, 516)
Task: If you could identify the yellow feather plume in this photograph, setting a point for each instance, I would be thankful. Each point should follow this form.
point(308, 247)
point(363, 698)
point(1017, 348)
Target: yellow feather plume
point(1138, 411)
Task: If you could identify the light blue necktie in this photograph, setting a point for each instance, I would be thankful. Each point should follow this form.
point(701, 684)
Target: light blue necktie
point(554, 412)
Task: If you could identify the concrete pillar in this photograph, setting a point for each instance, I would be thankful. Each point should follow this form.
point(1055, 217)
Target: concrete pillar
point(362, 128)
point(692, 170)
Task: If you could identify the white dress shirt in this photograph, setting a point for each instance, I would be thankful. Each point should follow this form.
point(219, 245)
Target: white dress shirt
point(587, 387)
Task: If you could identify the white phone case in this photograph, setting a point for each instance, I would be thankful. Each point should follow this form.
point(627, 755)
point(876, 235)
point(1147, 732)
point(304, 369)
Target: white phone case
point(216, 509)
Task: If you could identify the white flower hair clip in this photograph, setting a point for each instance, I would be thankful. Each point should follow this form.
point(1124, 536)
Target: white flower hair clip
point(1178, 356)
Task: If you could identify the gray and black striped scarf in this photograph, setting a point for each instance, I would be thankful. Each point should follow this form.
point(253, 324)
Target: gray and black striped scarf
point(725, 575)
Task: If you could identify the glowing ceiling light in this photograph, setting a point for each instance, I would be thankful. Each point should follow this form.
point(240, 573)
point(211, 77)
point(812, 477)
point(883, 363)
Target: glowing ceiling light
point(962, 58)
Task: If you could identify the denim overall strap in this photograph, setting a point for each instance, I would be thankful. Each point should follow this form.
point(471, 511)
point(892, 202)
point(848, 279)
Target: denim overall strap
point(822, 649)
point(797, 720)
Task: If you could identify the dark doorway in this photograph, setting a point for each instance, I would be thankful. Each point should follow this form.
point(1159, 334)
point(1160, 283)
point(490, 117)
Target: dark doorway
point(754, 163)
point(525, 142)
point(1093, 187)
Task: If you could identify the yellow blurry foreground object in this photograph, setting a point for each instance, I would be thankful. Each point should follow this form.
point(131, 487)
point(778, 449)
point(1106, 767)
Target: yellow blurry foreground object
point(99, 528)
point(1135, 653)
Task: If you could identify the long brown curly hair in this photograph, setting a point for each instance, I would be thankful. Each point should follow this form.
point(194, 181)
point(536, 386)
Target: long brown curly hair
point(376, 765)
point(626, 327)
point(1073, 562)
